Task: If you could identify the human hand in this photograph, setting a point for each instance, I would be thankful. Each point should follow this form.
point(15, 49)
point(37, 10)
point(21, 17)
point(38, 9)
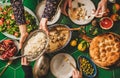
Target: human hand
point(102, 7)
point(24, 35)
point(76, 74)
point(64, 6)
point(43, 24)
point(24, 61)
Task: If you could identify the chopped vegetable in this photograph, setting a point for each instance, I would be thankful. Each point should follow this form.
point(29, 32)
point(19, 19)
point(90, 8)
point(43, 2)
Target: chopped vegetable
point(8, 23)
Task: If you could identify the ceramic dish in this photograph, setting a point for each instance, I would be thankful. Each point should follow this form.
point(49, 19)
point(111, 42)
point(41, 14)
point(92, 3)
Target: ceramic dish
point(40, 9)
point(9, 48)
point(87, 66)
point(106, 23)
point(27, 10)
point(35, 45)
point(60, 68)
point(58, 37)
point(81, 12)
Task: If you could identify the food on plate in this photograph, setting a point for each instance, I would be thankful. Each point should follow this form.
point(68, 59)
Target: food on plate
point(86, 66)
point(106, 23)
point(105, 49)
point(58, 37)
point(78, 13)
point(7, 49)
point(8, 23)
point(81, 11)
point(35, 45)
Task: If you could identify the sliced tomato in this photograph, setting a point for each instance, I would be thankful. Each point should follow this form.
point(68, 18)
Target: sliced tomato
point(1, 22)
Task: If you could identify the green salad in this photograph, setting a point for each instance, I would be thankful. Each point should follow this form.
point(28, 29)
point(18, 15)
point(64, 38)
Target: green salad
point(8, 23)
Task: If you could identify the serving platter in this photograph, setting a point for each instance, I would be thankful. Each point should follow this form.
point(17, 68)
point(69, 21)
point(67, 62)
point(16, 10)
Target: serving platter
point(59, 37)
point(27, 10)
point(40, 9)
point(60, 68)
point(81, 12)
point(35, 45)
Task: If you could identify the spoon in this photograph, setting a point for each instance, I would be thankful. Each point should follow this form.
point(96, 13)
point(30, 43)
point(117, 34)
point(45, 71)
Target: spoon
point(16, 57)
point(70, 29)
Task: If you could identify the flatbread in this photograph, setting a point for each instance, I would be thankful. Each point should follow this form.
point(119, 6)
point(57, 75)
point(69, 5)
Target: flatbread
point(105, 49)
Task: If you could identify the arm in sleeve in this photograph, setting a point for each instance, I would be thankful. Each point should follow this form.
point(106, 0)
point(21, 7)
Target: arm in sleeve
point(18, 10)
point(50, 8)
point(28, 71)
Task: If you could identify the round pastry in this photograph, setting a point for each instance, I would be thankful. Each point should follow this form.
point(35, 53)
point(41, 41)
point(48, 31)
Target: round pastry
point(105, 49)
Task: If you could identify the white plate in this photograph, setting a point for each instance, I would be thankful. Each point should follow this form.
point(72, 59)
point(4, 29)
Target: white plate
point(88, 6)
point(60, 68)
point(29, 11)
point(40, 9)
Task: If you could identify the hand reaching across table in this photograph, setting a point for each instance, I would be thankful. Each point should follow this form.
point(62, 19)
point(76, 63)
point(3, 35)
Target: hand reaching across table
point(18, 11)
point(43, 24)
point(77, 74)
point(24, 35)
point(49, 12)
point(64, 6)
point(101, 9)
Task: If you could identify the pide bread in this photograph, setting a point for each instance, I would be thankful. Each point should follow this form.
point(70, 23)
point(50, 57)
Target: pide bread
point(105, 49)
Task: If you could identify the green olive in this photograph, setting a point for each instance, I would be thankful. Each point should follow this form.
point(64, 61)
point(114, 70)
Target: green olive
point(86, 67)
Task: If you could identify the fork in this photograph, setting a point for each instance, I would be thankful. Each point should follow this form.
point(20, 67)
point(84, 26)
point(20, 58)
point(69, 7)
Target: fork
point(9, 62)
point(68, 61)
